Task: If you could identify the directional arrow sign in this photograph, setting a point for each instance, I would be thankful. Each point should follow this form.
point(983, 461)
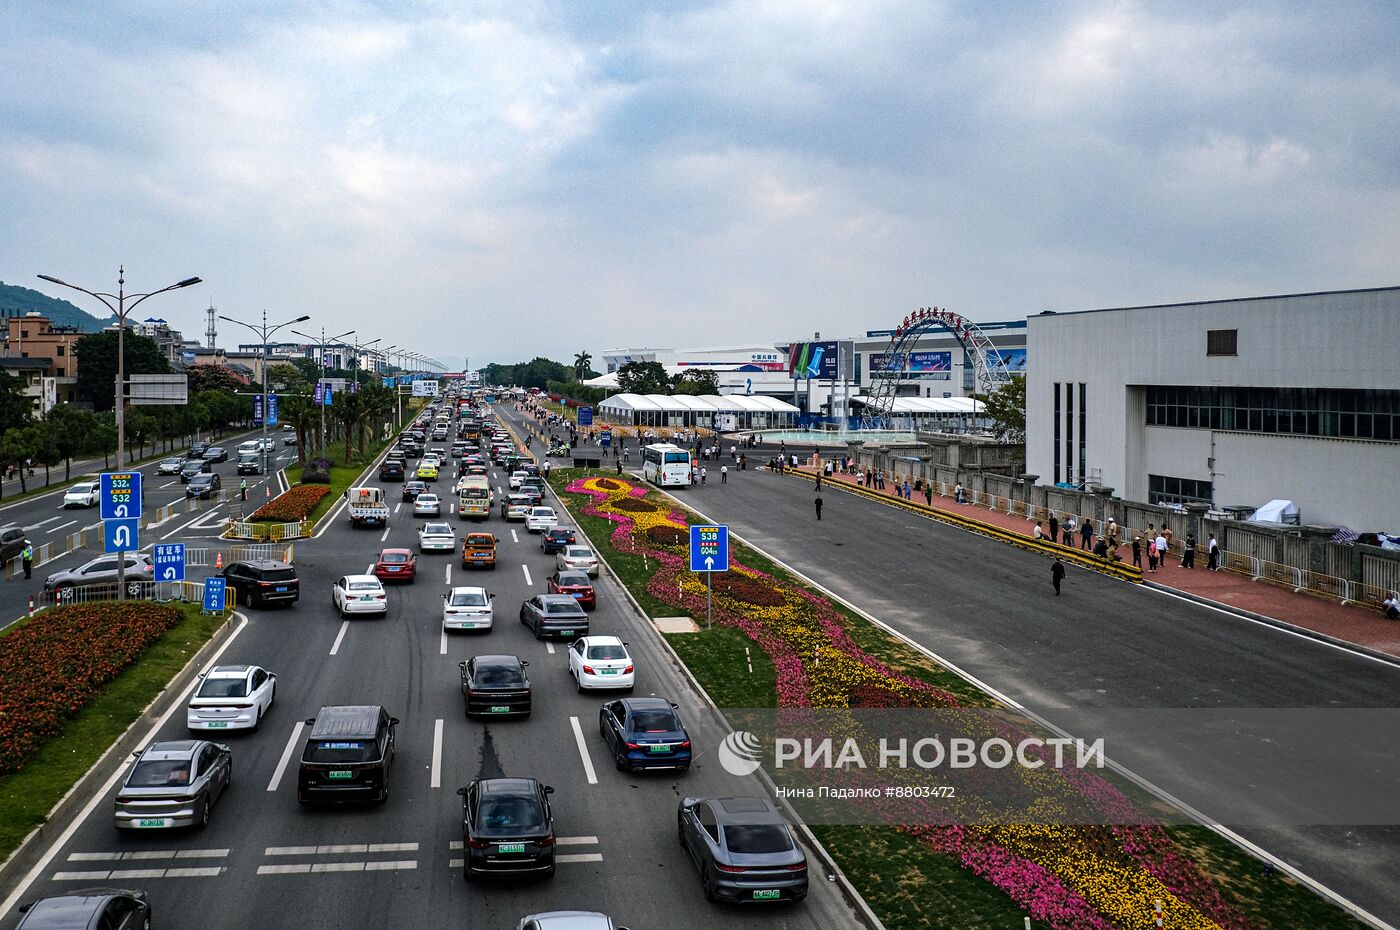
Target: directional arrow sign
point(121, 495)
point(121, 535)
point(709, 548)
point(214, 594)
point(169, 561)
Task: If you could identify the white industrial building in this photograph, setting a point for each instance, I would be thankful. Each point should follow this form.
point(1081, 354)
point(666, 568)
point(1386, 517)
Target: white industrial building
point(1226, 402)
point(712, 411)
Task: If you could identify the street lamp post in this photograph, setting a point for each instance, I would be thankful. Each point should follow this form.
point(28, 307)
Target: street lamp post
point(264, 333)
point(121, 310)
point(321, 345)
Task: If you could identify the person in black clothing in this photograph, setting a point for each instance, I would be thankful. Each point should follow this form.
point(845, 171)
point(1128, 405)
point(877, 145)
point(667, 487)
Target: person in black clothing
point(1188, 552)
point(1057, 574)
point(1101, 548)
point(1086, 534)
point(817, 501)
point(1137, 552)
point(1054, 529)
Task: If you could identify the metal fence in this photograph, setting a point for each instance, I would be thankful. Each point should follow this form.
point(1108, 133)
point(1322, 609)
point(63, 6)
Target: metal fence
point(161, 591)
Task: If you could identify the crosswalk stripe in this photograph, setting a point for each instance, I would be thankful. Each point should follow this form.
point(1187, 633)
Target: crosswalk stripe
point(148, 854)
point(579, 857)
point(339, 849)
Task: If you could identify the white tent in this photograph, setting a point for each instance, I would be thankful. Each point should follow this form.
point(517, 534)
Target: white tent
point(1276, 511)
point(749, 411)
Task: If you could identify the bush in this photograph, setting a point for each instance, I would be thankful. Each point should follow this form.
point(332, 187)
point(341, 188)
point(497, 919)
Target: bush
point(317, 471)
point(53, 665)
point(749, 590)
point(292, 505)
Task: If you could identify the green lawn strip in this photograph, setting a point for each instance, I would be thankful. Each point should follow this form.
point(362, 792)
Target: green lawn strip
point(27, 796)
point(343, 477)
point(716, 659)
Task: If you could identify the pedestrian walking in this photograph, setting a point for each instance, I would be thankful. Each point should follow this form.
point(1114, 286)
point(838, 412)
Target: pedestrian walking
point(1068, 527)
point(619, 467)
point(818, 488)
point(724, 474)
point(860, 479)
point(817, 502)
point(703, 472)
point(26, 556)
point(1039, 534)
point(243, 490)
point(1161, 547)
point(1054, 529)
point(908, 491)
point(1112, 533)
point(1057, 574)
point(1086, 534)
point(1212, 554)
point(1188, 552)
point(1151, 555)
point(1137, 552)
point(928, 494)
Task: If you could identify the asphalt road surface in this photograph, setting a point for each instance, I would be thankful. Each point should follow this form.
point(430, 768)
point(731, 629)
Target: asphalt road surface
point(266, 862)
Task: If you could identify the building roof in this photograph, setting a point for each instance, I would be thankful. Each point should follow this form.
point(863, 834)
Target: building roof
point(24, 363)
point(705, 403)
point(917, 405)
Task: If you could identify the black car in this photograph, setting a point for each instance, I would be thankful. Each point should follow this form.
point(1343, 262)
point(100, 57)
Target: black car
point(745, 851)
point(197, 450)
point(496, 686)
point(249, 463)
point(216, 454)
point(507, 828)
point(554, 615)
point(89, 909)
point(556, 538)
point(533, 494)
point(411, 489)
point(391, 470)
point(347, 755)
point(203, 486)
point(194, 467)
point(644, 733)
point(261, 582)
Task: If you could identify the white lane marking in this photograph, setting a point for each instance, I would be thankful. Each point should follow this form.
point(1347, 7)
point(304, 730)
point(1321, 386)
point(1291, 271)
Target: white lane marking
point(579, 857)
point(397, 506)
point(42, 523)
point(61, 526)
point(386, 534)
point(576, 841)
point(168, 484)
point(286, 756)
point(549, 646)
point(583, 752)
point(387, 866)
point(448, 573)
point(299, 869)
point(437, 754)
point(119, 874)
point(513, 537)
point(528, 580)
point(335, 647)
point(149, 854)
point(182, 526)
point(451, 508)
point(494, 476)
point(442, 644)
point(100, 795)
point(337, 849)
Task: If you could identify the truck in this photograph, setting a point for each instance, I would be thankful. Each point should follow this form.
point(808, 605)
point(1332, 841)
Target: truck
point(367, 506)
point(474, 497)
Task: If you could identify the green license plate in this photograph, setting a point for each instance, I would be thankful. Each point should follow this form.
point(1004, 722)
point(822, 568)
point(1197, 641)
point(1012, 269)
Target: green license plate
point(340, 774)
point(153, 822)
point(609, 671)
point(658, 748)
point(217, 724)
point(511, 848)
point(500, 710)
point(566, 632)
point(767, 894)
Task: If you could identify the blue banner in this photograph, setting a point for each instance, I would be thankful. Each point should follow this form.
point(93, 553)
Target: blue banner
point(272, 410)
point(257, 409)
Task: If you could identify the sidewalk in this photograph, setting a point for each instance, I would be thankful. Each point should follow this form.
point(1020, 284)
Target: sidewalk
point(1361, 626)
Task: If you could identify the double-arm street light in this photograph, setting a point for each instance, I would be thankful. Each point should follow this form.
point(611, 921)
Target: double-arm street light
point(325, 371)
point(121, 310)
point(264, 332)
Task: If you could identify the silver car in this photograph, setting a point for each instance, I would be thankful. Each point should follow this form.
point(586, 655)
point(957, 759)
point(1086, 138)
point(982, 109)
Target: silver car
point(568, 920)
point(173, 784)
point(577, 559)
point(103, 571)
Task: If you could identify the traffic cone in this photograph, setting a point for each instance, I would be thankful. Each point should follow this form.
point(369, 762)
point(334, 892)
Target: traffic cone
point(268, 489)
point(219, 561)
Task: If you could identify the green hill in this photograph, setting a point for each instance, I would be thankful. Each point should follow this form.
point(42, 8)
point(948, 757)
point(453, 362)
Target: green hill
point(17, 301)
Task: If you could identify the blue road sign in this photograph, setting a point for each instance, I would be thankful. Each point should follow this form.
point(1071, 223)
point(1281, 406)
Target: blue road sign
point(121, 495)
point(272, 410)
point(709, 548)
point(169, 561)
point(121, 535)
point(257, 409)
point(585, 416)
point(605, 438)
point(214, 594)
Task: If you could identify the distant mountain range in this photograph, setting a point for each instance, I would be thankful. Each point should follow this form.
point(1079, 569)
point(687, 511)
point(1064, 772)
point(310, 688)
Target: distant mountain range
point(17, 301)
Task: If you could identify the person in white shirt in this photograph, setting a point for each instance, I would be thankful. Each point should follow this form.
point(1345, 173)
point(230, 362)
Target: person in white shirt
point(1392, 607)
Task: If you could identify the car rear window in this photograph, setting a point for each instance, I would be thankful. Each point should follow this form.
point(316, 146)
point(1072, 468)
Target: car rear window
point(654, 721)
point(279, 574)
point(173, 773)
point(757, 838)
point(578, 552)
point(574, 579)
point(468, 599)
point(607, 652)
point(223, 687)
point(394, 558)
point(561, 608)
point(498, 675)
point(341, 751)
point(365, 586)
point(508, 815)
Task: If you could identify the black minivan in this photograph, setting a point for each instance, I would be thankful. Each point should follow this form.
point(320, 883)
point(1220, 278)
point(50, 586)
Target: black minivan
point(347, 756)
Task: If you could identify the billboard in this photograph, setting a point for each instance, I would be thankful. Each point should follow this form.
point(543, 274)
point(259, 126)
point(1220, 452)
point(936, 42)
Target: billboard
point(812, 360)
point(1015, 360)
point(937, 366)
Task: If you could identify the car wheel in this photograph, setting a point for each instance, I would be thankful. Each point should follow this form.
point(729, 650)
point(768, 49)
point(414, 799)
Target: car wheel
point(705, 884)
point(203, 816)
point(602, 730)
point(578, 683)
point(620, 762)
point(257, 724)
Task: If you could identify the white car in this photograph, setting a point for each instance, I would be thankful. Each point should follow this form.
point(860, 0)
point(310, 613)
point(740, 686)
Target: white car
point(83, 494)
point(540, 519)
point(467, 609)
point(359, 594)
point(601, 662)
point(436, 537)
point(231, 697)
point(430, 458)
point(577, 559)
point(517, 478)
point(427, 505)
point(251, 447)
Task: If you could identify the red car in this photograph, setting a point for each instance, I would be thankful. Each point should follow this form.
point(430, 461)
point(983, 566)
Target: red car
point(396, 565)
point(576, 584)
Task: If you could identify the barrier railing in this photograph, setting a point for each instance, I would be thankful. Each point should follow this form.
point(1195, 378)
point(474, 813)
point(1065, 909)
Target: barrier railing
point(183, 591)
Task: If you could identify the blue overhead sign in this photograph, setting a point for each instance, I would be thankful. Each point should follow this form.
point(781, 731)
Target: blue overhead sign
point(121, 535)
point(214, 594)
point(709, 548)
point(121, 495)
point(169, 561)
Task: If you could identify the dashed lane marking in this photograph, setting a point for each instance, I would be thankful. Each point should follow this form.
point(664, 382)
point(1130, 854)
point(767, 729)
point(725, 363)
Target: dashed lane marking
point(339, 849)
point(437, 756)
point(528, 580)
point(121, 874)
point(303, 868)
point(148, 854)
point(583, 751)
point(286, 756)
point(335, 646)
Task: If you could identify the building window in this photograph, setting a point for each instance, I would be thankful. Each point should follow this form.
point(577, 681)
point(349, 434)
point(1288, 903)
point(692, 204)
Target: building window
point(1057, 432)
point(1337, 413)
point(1069, 432)
point(60, 351)
point(1164, 489)
point(1083, 432)
point(1222, 341)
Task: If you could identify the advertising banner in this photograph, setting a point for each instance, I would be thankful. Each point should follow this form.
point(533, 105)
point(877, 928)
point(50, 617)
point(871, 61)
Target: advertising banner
point(812, 360)
point(257, 409)
point(1014, 359)
point(937, 366)
point(272, 410)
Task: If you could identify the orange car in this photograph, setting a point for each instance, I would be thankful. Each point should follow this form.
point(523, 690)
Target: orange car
point(479, 549)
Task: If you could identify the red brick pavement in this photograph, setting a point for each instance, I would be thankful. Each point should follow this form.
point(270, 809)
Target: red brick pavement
point(1352, 623)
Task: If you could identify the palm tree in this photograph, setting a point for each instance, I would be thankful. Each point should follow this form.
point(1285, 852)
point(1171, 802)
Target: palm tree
point(583, 363)
point(376, 402)
point(305, 419)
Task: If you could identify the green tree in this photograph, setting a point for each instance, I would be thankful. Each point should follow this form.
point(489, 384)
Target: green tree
point(16, 450)
point(305, 418)
point(141, 428)
point(15, 405)
point(97, 364)
point(643, 378)
point(1006, 408)
point(583, 366)
point(697, 381)
point(287, 378)
point(72, 431)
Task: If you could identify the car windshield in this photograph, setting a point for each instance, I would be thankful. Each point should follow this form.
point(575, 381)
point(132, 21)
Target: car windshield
point(654, 721)
point(757, 838)
point(80, 489)
point(574, 580)
point(393, 558)
point(468, 599)
point(340, 751)
point(365, 586)
point(174, 773)
point(223, 687)
point(507, 815)
point(498, 675)
point(614, 651)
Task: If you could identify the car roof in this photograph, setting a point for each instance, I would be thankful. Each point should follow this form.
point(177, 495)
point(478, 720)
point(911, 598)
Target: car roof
point(175, 749)
point(362, 578)
point(575, 576)
point(263, 564)
point(571, 920)
point(397, 550)
point(511, 786)
point(229, 671)
point(558, 599)
point(346, 720)
point(647, 703)
point(604, 641)
point(502, 661)
point(69, 910)
point(436, 528)
point(467, 588)
point(745, 810)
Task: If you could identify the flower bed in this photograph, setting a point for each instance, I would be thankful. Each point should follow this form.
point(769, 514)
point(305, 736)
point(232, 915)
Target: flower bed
point(53, 665)
point(1067, 877)
point(293, 504)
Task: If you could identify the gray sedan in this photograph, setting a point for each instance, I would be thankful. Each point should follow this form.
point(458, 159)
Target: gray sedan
point(744, 849)
point(102, 571)
point(174, 784)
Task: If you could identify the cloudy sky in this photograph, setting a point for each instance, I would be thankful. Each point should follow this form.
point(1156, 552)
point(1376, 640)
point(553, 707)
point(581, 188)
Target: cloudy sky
point(505, 179)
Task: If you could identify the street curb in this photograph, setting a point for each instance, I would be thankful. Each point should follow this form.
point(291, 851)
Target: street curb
point(116, 755)
point(1275, 622)
point(848, 890)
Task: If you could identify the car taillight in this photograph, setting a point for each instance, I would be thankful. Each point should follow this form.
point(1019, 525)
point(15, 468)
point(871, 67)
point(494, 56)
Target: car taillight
point(627, 670)
point(799, 867)
point(730, 868)
point(243, 706)
point(477, 844)
point(379, 597)
point(683, 744)
point(588, 670)
point(634, 745)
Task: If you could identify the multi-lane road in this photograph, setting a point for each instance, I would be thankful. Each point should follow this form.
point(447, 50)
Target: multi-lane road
point(266, 861)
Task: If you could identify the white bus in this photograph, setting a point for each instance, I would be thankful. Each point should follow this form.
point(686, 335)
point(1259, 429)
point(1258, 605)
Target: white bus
point(665, 465)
